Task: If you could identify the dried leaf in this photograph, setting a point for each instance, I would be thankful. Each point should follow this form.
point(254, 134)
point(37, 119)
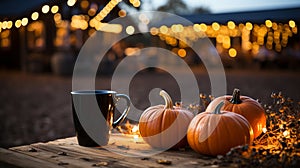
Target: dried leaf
point(164, 162)
point(99, 164)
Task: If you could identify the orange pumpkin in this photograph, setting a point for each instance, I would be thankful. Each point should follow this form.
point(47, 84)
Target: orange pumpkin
point(165, 126)
point(216, 132)
point(246, 106)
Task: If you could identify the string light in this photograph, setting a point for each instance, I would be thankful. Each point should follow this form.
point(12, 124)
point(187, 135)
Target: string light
point(34, 15)
point(9, 24)
point(231, 25)
point(292, 23)
point(54, 9)
point(232, 52)
point(215, 26)
point(181, 52)
point(268, 23)
point(130, 30)
point(71, 2)
point(45, 9)
point(18, 23)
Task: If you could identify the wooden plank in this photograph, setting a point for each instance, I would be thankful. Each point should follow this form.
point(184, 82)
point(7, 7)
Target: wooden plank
point(78, 156)
point(20, 160)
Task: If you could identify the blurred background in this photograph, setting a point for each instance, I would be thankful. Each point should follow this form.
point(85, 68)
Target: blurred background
point(257, 41)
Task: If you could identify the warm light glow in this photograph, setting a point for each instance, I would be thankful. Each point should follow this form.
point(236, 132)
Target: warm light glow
point(181, 52)
point(196, 28)
point(130, 30)
point(215, 26)
point(232, 52)
point(137, 4)
point(154, 31)
point(57, 18)
point(249, 26)
point(34, 15)
point(92, 12)
point(24, 21)
point(122, 13)
point(9, 24)
point(79, 22)
point(84, 4)
point(203, 27)
point(45, 9)
point(18, 23)
point(71, 2)
point(4, 25)
point(231, 25)
point(54, 9)
point(135, 129)
point(268, 23)
point(163, 29)
point(264, 130)
point(292, 23)
point(286, 133)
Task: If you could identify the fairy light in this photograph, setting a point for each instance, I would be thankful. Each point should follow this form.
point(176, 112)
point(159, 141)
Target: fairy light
point(4, 25)
point(71, 2)
point(9, 24)
point(34, 15)
point(122, 13)
point(181, 52)
point(18, 23)
point(54, 9)
point(264, 130)
point(268, 23)
point(163, 29)
point(231, 25)
point(84, 4)
point(103, 13)
point(45, 9)
point(292, 23)
point(215, 26)
point(130, 30)
point(232, 52)
point(24, 21)
point(135, 3)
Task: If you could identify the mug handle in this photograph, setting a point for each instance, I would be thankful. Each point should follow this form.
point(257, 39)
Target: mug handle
point(125, 112)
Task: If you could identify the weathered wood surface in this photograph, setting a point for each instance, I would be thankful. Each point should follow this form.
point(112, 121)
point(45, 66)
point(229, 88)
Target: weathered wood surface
point(118, 153)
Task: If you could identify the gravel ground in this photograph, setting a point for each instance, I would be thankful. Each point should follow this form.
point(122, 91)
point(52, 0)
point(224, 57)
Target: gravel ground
point(36, 107)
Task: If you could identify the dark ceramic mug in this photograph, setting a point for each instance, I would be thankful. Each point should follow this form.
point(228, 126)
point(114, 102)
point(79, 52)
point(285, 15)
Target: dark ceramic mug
point(93, 115)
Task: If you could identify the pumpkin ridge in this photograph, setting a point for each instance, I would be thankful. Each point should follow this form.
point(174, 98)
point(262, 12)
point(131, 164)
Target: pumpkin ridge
point(227, 127)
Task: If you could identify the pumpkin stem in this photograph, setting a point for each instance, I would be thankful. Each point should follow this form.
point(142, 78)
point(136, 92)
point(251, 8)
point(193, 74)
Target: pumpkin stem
point(167, 98)
point(218, 108)
point(236, 97)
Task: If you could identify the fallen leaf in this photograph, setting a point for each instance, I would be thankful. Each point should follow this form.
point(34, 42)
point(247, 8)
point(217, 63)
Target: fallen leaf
point(164, 162)
point(99, 164)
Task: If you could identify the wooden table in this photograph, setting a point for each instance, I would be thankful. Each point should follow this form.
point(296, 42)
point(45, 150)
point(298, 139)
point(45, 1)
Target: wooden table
point(67, 153)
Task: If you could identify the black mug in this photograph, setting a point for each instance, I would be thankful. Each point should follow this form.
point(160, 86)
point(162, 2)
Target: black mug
point(93, 115)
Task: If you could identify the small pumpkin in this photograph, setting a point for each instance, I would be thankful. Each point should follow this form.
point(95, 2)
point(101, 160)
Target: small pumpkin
point(244, 105)
point(165, 126)
point(216, 132)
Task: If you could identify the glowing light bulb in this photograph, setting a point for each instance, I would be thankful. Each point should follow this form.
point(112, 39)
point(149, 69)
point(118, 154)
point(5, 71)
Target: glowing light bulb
point(231, 25)
point(268, 23)
point(292, 23)
point(34, 15)
point(18, 23)
point(232, 52)
point(24, 21)
point(54, 9)
point(71, 2)
point(45, 9)
point(130, 30)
